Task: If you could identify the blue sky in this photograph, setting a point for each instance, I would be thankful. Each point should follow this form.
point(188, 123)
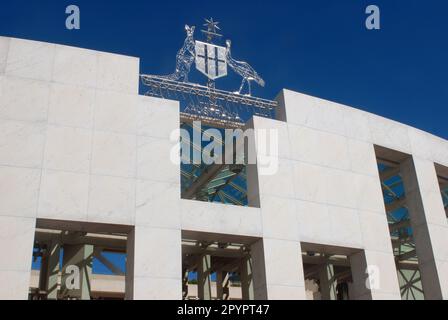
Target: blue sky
point(318, 47)
point(118, 259)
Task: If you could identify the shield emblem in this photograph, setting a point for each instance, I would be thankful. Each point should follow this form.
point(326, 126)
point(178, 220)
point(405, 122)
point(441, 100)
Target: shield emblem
point(210, 60)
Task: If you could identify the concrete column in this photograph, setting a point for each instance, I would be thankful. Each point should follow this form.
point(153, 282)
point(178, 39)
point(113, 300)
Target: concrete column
point(185, 283)
point(429, 224)
point(43, 272)
point(17, 239)
point(130, 255)
point(343, 290)
point(49, 270)
point(359, 290)
point(154, 264)
point(374, 276)
point(277, 270)
point(327, 282)
point(204, 280)
point(259, 271)
point(73, 284)
point(246, 276)
point(277, 261)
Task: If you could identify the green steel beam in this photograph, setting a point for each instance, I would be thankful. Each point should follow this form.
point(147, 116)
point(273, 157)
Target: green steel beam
point(237, 187)
point(230, 198)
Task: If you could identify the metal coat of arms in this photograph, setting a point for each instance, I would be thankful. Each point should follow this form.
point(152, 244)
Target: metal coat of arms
point(211, 60)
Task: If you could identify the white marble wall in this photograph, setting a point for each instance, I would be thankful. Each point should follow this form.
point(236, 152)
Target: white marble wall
point(339, 198)
point(77, 143)
point(337, 191)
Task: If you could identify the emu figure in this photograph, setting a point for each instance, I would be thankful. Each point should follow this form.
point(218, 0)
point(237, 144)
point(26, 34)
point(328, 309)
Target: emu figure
point(243, 69)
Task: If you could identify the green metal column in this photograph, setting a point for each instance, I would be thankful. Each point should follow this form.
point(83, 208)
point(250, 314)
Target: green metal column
point(247, 283)
point(185, 283)
point(222, 285)
point(49, 270)
point(327, 282)
point(77, 271)
point(426, 206)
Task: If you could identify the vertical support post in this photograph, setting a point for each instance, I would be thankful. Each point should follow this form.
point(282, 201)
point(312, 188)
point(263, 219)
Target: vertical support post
point(129, 277)
point(43, 272)
point(204, 281)
point(17, 238)
point(343, 291)
point(220, 275)
point(184, 283)
point(267, 255)
point(327, 282)
point(149, 253)
point(374, 276)
point(222, 285)
point(225, 286)
point(259, 271)
point(53, 270)
point(358, 266)
point(428, 221)
point(77, 271)
point(247, 283)
point(49, 271)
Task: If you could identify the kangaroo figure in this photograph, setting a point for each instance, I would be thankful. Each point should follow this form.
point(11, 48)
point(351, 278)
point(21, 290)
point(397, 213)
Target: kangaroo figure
point(184, 58)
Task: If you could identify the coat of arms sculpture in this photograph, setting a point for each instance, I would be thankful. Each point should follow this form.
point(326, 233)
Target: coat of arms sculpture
point(213, 61)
